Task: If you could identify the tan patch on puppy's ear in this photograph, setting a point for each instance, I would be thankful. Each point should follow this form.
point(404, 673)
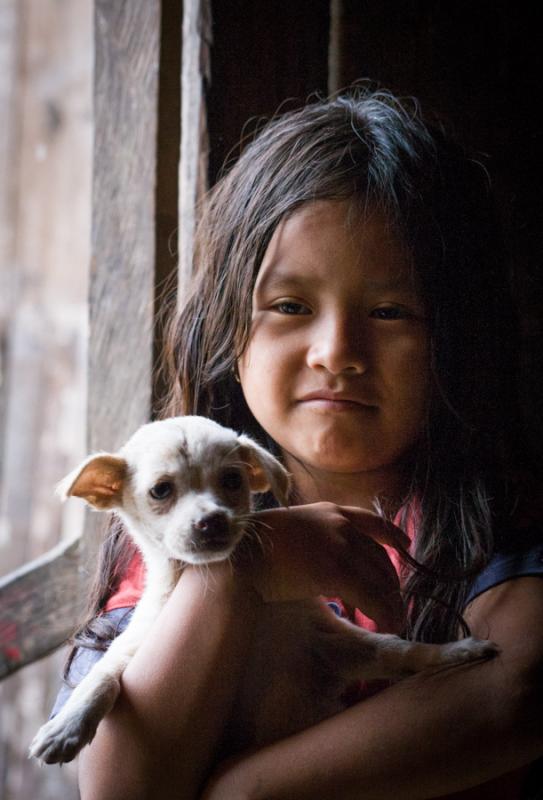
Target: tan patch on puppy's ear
point(99, 481)
point(266, 473)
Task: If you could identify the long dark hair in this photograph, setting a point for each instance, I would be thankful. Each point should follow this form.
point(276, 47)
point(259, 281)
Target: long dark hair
point(376, 151)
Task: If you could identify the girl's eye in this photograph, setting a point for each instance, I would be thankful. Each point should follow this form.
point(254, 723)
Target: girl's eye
point(390, 313)
point(231, 480)
point(291, 307)
point(161, 490)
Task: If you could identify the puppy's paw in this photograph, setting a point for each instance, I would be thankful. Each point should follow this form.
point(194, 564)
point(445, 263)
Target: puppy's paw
point(61, 739)
point(470, 649)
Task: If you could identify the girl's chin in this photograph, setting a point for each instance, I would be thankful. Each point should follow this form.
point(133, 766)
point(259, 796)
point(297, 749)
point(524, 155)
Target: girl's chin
point(340, 460)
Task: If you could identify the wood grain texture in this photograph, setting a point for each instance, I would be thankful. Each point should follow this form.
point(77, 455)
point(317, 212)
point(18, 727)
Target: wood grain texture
point(44, 369)
point(122, 275)
point(193, 178)
point(9, 23)
point(127, 37)
point(45, 168)
point(38, 605)
point(167, 181)
point(45, 266)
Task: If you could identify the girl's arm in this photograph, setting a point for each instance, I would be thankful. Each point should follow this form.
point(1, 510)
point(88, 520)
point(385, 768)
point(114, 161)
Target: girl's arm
point(426, 736)
point(161, 738)
point(176, 693)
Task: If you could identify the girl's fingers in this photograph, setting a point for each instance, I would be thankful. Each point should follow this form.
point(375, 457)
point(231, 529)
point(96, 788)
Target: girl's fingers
point(332, 551)
point(377, 528)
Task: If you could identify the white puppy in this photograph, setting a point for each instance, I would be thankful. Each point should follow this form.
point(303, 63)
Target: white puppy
point(183, 487)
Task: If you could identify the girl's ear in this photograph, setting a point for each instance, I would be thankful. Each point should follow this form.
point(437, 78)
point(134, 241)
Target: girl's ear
point(265, 471)
point(99, 480)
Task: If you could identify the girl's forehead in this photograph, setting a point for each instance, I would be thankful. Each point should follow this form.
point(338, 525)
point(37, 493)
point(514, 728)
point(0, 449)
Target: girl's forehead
point(336, 233)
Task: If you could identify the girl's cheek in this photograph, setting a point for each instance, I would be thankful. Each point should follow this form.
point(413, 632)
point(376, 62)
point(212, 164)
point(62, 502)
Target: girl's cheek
point(406, 353)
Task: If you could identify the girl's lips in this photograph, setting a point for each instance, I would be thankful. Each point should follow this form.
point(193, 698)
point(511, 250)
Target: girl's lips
point(333, 401)
point(334, 405)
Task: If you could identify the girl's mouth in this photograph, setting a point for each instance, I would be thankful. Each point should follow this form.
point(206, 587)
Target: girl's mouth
point(325, 398)
point(323, 404)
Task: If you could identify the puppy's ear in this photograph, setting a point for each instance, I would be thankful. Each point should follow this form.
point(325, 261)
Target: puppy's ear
point(265, 471)
point(99, 480)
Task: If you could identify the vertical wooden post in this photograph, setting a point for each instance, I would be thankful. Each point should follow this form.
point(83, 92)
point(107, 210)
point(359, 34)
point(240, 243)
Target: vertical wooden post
point(194, 142)
point(122, 275)
point(167, 179)
point(45, 164)
point(45, 253)
point(8, 193)
point(335, 46)
point(127, 37)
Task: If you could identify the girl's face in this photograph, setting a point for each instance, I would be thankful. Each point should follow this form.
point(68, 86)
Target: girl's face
point(337, 365)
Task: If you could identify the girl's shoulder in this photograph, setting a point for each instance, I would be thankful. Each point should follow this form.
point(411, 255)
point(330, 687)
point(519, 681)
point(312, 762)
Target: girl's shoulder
point(518, 536)
point(519, 555)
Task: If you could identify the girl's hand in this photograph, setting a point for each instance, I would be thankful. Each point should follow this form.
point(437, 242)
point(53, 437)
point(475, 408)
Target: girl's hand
point(325, 549)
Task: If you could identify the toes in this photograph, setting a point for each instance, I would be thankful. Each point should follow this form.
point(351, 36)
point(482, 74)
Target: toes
point(472, 650)
point(487, 649)
point(57, 743)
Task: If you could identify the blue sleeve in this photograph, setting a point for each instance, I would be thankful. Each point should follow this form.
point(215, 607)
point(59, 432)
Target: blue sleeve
point(504, 566)
point(86, 657)
point(527, 562)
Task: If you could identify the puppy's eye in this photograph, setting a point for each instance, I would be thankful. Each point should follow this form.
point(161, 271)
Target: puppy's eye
point(231, 480)
point(161, 490)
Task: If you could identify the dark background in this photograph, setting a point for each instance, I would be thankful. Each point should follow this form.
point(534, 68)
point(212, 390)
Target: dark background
point(474, 65)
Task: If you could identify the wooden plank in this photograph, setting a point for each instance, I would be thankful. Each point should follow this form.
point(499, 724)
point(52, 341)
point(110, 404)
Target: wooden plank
point(44, 365)
point(39, 604)
point(127, 37)
point(335, 46)
point(193, 179)
point(167, 178)
point(8, 193)
point(46, 172)
point(122, 289)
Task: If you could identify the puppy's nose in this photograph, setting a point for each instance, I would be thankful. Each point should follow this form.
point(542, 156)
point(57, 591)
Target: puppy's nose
point(213, 529)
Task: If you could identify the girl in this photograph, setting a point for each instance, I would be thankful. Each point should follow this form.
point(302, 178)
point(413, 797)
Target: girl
point(351, 309)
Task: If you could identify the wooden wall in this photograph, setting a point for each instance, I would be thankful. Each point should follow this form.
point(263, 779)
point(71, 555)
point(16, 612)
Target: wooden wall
point(45, 163)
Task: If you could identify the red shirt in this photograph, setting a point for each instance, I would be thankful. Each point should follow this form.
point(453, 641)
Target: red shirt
point(131, 586)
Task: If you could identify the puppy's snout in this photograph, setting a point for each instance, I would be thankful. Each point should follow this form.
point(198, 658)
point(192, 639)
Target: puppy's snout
point(213, 530)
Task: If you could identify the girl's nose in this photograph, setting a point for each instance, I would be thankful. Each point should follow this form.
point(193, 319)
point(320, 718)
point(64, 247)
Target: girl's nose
point(337, 346)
